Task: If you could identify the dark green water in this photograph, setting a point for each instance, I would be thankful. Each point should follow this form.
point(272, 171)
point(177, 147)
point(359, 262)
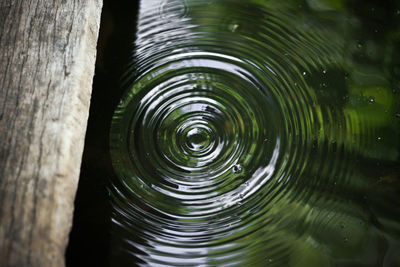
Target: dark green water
point(259, 133)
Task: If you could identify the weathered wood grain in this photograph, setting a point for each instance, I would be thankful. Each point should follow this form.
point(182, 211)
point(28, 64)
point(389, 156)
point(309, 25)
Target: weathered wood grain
point(47, 56)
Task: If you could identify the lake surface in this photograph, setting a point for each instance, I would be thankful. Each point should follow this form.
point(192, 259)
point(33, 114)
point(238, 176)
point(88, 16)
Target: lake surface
point(257, 133)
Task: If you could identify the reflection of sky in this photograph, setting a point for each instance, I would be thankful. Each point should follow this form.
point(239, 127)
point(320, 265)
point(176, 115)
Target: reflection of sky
point(171, 254)
point(191, 256)
point(156, 248)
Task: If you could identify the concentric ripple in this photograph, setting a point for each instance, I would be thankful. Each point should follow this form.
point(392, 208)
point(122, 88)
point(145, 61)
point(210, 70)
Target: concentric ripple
point(221, 147)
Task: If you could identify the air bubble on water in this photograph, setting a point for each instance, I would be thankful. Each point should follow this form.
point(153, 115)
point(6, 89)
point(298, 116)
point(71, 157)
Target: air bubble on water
point(371, 100)
point(359, 45)
point(266, 140)
point(269, 260)
point(324, 71)
point(237, 168)
point(345, 239)
point(379, 138)
point(233, 27)
point(304, 73)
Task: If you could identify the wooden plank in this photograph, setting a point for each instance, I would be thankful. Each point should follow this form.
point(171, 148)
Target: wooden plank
point(47, 56)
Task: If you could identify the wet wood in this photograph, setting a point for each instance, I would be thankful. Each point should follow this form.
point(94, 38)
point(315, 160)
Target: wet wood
point(47, 56)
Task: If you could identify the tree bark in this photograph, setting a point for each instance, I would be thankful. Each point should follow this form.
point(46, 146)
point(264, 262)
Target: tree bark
point(47, 56)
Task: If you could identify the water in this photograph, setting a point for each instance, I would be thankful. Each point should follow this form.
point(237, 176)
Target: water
point(259, 133)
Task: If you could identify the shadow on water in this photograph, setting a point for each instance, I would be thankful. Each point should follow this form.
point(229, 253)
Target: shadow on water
point(89, 239)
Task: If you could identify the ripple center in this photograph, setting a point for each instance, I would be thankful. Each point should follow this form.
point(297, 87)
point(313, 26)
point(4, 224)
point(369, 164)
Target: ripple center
point(198, 139)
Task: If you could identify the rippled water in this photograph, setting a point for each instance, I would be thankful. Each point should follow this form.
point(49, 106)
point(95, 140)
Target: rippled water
point(262, 133)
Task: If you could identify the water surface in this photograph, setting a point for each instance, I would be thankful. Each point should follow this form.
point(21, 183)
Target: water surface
point(259, 133)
